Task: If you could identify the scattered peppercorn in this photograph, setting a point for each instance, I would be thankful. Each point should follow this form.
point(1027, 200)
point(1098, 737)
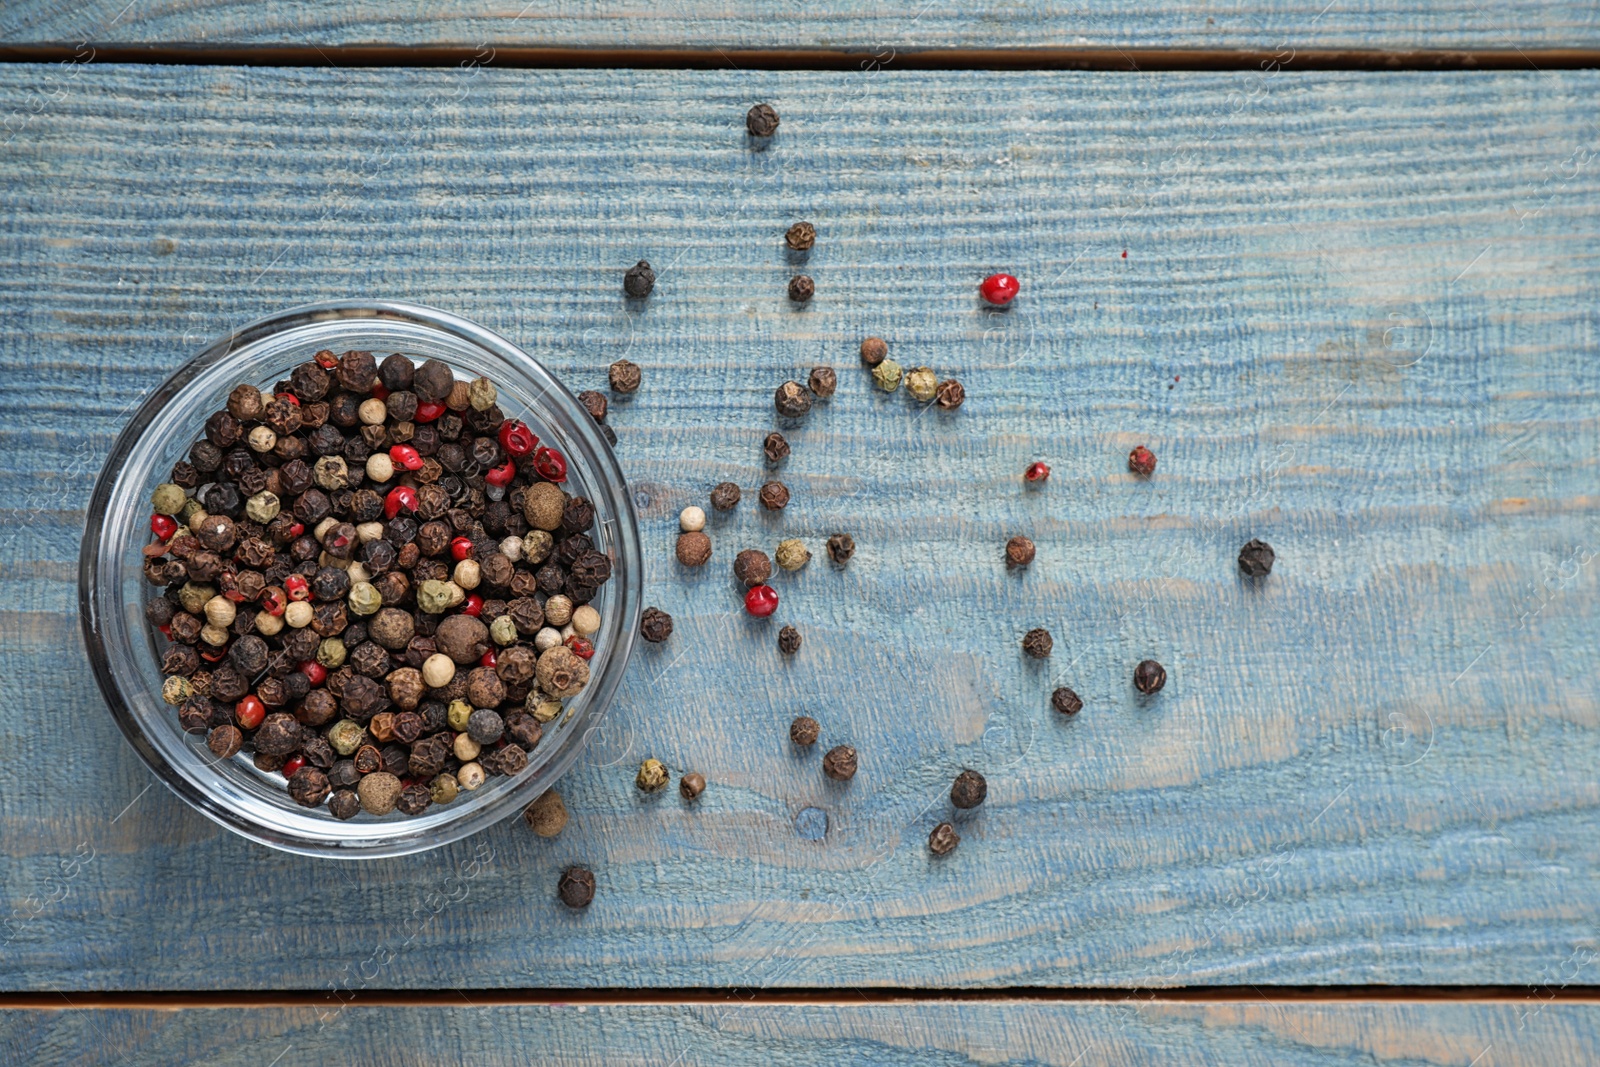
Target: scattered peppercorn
point(774, 496)
point(950, 394)
point(922, 384)
point(792, 400)
point(724, 496)
point(1036, 472)
point(804, 730)
point(761, 601)
point(1037, 643)
point(792, 554)
point(841, 546)
point(1066, 702)
point(691, 519)
point(887, 375)
point(968, 790)
point(801, 236)
point(1149, 676)
point(691, 785)
point(1142, 462)
point(999, 289)
point(761, 121)
point(801, 288)
point(1019, 551)
point(752, 567)
point(1256, 558)
point(546, 816)
point(874, 350)
point(624, 376)
point(840, 763)
point(576, 887)
point(943, 840)
point(693, 548)
point(651, 777)
point(655, 625)
point(639, 280)
point(775, 448)
point(788, 640)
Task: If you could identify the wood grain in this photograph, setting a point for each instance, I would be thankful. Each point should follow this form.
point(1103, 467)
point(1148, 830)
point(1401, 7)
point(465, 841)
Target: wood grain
point(1124, 1034)
point(1352, 315)
point(881, 30)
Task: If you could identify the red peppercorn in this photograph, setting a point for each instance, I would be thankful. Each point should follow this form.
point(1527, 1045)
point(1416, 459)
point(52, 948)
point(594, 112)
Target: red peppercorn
point(461, 548)
point(315, 672)
point(273, 600)
point(473, 605)
point(999, 289)
point(297, 587)
point(516, 438)
point(326, 359)
point(503, 474)
point(401, 496)
point(234, 594)
point(1036, 472)
point(551, 465)
point(211, 655)
point(1142, 461)
point(296, 529)
point(380, 391)
point(288, 398)
point(406, 456)
point(429, 410)
point(581, 646)
point(163, 526)
point(166, 629)
point(292, 764)
point(249, 712)
point(488, 660)
point(761, 601)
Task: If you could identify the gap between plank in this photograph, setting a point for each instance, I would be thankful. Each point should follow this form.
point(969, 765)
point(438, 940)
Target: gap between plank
point(175, 1000)
point(1109, 58)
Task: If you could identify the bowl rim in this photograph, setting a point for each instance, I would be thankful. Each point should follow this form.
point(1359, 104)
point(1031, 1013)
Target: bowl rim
point(610, 477)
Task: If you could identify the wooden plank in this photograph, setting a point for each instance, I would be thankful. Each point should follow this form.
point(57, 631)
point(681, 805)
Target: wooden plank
point(1352, 314)
point(1127, 1034)
point(882, 30)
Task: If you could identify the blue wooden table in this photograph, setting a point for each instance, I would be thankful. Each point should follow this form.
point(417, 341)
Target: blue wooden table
point(1352, 312)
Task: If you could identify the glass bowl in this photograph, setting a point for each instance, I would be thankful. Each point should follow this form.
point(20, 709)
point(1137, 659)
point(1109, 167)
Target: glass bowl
point(126, 651)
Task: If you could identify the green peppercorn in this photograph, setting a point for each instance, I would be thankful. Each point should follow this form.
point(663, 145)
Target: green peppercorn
point(792, 554)
point(168, 499)
point(346, 736)
point(444, 789)
point(922, 384)
point(194, 596)
point(436, 597)
point(652, 776)
point(481, 394)
point(190, 509)
point(262, 508)
point(177, 690)
point(331, 653)
point(458, 714)
point(365, 599)
point(503, 631)
point(543, 710)
point(887, 375)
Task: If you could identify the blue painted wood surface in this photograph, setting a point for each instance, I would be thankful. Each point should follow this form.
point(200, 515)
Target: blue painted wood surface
point(1261, 1033)
point(1353, 315)
point(884, 30)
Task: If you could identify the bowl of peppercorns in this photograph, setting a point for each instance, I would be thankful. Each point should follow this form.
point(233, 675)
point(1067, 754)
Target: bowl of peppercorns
point(360, 579)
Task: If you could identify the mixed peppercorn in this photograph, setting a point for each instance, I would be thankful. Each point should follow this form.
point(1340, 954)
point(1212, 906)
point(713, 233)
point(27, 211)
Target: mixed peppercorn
point(374, 583)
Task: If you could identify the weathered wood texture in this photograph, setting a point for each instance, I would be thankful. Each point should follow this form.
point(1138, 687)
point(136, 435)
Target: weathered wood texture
point(885, 29)
point(1123, 1034)
point(1351, 314)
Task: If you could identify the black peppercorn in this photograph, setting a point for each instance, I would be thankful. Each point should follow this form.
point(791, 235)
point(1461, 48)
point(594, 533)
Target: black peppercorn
point(761, 121)
point(1149, 676)
point(774, 496)
point(943, 840)
point(841, 546)
point(788, 640)
point(775, 448)
point(414, 799)
point(1019, 551)
point(625, 376)
point(804, 730)
point(278, 734)
point(576, 887)
point(752, 567)
point(968, 790)
point(801, 288)
point(1066, 702)
point(432, 382)
point(792, 400)
point(1256, 558)
point(1037, 643)
point(655, 625)
point(823, 382)
point(309, 787)
point(800, 237)
point(594, 403)
point(724, 496)
point(225, 741)
point(692, 785)
point(840, 763)
point(344, 804)
point(639, 280)
point(949, 394)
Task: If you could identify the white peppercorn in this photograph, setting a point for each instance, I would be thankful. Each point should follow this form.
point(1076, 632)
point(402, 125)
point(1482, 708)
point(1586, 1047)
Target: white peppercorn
point(298, 613)
point(380, 468)
point(215, 636)
point(511, 548)
point(373, 411)
point(262, 439)
point(220, 611)
point(369, 531)
point(267, 624)
point(468, 574)
point(692, 519)
point(437, 670)
point(558, 610)
point(585, 620)
point(548, 637)
point(466, 748)
point(470, 776)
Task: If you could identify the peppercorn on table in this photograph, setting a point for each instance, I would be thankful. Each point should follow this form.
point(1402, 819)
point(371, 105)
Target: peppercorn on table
point(1351, 314)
